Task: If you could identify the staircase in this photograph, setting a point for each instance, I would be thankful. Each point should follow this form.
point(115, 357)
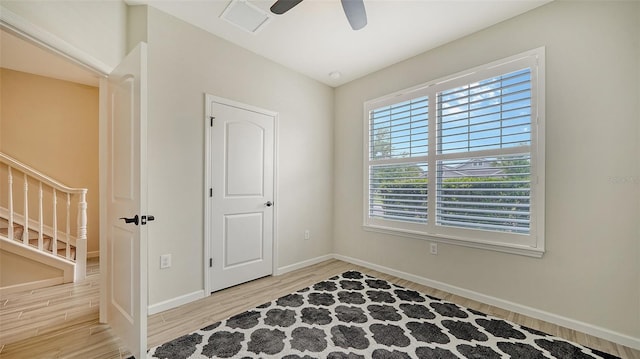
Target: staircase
point(36, 222)
point(47, 245)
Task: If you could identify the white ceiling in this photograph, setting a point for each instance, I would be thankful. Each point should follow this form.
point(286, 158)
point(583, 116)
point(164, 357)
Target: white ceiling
point(314, 38)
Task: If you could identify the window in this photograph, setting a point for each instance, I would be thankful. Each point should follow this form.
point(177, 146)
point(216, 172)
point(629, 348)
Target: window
point(460, 159)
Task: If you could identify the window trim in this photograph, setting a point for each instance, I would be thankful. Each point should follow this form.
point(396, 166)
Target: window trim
point(534, 245)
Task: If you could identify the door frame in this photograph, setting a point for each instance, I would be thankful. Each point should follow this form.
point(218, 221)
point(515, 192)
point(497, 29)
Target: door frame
point(50, 42)
point(208, 177)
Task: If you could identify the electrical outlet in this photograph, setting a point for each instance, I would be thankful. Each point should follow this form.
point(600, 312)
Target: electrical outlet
point(165, 261)
point(307, 234)
point(433, 248)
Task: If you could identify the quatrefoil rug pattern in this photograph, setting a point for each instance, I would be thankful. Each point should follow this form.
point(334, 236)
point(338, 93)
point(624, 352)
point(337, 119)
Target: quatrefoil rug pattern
point(353, 316)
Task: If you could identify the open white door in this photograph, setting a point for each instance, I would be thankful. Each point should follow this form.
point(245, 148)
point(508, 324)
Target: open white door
point(126, 193)
point(242, 192)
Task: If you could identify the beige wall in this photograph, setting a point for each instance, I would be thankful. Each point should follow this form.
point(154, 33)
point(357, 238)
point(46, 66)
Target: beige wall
point(184, 64)
point(591, 270)
point(29, 270)
point(52, 126)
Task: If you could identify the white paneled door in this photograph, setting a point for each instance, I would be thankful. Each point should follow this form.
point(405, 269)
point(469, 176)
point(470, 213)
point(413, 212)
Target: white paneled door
point(241, 194)
point(126, 297)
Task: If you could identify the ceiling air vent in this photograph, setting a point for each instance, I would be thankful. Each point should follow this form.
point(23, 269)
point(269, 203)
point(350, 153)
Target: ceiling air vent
point(245, 16)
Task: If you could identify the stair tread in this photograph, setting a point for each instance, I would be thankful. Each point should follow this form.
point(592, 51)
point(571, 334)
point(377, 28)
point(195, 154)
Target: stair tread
point(17, 232)
point(34, 237)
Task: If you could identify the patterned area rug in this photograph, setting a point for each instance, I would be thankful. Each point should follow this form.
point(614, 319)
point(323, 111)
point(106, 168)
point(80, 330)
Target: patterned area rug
point(354, 316)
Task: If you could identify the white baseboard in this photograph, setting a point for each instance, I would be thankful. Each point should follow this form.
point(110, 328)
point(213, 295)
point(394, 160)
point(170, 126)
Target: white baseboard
point(305, 263)
point(587, 328)
point(43, 283)
point(93, 254)
point(187, 298)
point(175, 302)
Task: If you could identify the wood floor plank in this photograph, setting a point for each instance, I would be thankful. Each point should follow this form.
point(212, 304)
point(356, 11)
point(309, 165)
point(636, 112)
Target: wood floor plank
point(30, 323)
point(22, 308)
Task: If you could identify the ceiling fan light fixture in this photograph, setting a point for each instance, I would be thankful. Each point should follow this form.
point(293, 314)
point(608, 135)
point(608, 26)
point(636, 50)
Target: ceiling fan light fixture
point(245, 16)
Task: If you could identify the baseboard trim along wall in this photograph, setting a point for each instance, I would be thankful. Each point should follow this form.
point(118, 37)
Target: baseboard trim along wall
point(599, 332)
point(174, 302)
point(49, 282)
point(188, 298)
point(305, 263)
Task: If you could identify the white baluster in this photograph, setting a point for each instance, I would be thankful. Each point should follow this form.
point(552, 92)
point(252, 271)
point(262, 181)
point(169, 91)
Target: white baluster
point(25, 232)
point(68, 252)
point(54, 245)
point(10, 194)
point(40, 220)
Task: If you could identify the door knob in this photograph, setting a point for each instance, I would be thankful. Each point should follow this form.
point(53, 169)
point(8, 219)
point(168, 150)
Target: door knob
point(131, 220)
point(269, 204)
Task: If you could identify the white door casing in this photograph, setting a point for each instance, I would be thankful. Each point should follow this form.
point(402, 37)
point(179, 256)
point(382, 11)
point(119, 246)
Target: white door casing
point(241, 204)
point(126, 192)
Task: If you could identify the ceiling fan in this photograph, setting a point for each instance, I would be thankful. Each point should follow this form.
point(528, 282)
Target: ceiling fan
point(354, 9)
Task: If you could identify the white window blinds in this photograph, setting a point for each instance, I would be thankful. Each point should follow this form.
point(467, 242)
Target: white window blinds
point(461, 158)
point(489, 114)
point(398, 171)
point(495, 195)
point(490, 192)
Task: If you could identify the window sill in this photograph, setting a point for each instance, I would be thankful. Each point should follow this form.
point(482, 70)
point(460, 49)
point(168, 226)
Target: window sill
point(492, 246)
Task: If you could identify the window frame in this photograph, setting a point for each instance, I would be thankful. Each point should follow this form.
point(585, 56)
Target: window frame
point(532, 244)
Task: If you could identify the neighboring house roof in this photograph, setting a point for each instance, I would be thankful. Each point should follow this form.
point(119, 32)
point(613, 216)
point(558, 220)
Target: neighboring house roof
point(471, 168)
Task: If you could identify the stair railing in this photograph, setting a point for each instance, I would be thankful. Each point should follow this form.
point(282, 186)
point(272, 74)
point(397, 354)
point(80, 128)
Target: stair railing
point(15, 170)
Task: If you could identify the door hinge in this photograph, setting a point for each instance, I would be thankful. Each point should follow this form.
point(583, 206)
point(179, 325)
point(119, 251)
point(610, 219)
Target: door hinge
point(211, 118)
point(210, 262)
point(210, 192)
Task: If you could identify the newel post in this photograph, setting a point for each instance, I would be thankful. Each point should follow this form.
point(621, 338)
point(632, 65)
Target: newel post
point(81, 241)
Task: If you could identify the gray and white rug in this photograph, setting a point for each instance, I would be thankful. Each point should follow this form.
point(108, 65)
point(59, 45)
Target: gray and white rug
point(354, 316)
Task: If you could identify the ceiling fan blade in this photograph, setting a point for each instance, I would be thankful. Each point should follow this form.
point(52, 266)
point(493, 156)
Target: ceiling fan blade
point(356, 13)
point(282, 6)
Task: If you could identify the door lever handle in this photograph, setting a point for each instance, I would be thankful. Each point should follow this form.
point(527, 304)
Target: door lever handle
point(131, 220)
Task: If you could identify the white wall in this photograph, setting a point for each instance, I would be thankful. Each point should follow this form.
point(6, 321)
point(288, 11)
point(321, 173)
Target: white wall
point(184, 63)
point(96, 27)
point(591, 270)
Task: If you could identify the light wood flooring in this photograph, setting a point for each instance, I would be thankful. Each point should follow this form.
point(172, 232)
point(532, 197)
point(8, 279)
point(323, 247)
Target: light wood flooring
point(62, 321)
